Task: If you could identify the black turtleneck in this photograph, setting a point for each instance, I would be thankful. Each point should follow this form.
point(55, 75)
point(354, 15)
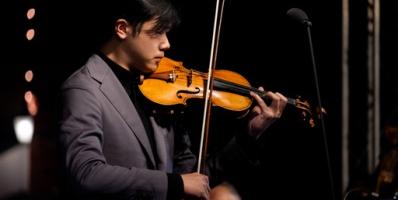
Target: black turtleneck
point(129, 80)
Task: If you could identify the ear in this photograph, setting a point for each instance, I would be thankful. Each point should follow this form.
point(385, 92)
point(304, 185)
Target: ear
point(123, 28)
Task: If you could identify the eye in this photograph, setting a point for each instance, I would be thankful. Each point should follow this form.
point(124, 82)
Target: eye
point(154, 34)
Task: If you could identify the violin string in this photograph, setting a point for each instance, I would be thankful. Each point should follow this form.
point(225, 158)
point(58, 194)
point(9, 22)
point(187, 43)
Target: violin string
point(235, 87)
point(204, 76)
point(228, 83)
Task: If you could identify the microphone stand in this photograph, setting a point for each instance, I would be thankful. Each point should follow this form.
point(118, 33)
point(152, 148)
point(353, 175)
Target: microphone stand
point(308, 25)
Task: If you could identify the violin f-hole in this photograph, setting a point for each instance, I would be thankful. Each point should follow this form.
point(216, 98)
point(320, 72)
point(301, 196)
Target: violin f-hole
point(196, 91)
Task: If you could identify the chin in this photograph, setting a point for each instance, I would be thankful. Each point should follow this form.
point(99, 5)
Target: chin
point(150, 69)
point(153, 67)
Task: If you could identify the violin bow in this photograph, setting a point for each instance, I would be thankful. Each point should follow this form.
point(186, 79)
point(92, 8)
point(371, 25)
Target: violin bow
point(209, 86)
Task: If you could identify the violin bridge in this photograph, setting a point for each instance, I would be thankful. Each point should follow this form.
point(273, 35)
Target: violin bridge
point(172, 77)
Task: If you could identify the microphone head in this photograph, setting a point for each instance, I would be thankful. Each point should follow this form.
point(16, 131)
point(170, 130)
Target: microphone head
point(298, 15)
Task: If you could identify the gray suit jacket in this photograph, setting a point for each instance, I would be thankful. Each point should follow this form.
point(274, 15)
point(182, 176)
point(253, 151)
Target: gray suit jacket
point(105, 145)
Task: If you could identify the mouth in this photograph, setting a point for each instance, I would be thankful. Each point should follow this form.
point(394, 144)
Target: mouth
point(157, 59)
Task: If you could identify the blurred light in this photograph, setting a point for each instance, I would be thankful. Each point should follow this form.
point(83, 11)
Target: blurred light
point(30, 34)
point(28, 96)
point(23, 127)
point(31, 103)
point(29, 76)
point(31, 13)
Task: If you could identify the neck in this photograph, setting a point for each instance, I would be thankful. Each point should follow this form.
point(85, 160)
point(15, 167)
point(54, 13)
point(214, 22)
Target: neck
point(113, 50)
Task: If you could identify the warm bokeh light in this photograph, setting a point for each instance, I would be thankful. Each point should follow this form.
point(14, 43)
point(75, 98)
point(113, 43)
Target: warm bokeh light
point(24, 127)
point(30, 34)
point(29, 76)
point(31, 13)
point(28, 96)
point(31, 103)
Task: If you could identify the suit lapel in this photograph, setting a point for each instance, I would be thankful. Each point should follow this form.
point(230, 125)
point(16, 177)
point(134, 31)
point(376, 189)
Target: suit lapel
point(116, 94)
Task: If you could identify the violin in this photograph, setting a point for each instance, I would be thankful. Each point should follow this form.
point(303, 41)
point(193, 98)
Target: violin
point(173, 84)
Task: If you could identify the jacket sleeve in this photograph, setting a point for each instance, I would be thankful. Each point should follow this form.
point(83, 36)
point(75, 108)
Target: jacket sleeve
point(81, 138)
point(235, 159)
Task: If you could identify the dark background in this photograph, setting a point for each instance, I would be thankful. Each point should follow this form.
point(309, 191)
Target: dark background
point(257, 40)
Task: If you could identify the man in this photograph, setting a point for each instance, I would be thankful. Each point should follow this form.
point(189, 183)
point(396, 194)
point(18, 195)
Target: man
point(113, 147)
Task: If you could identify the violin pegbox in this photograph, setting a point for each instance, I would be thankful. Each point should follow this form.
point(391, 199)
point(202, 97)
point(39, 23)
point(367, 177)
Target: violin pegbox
point(308, 113)
point(305, 111)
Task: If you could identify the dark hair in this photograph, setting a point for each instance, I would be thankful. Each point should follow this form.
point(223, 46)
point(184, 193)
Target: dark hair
point(136, 12)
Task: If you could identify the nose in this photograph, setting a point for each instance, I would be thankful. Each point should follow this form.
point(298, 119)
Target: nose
point(165, 44)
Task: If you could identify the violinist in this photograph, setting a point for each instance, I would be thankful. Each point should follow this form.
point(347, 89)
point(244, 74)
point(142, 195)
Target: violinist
point(382, 183)
point(114, 146)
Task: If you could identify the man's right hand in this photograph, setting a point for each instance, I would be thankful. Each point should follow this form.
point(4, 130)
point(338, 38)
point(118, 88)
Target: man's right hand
point(197, 185)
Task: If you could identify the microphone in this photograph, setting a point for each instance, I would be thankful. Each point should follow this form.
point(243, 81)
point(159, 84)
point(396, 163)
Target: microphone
point(300, 16)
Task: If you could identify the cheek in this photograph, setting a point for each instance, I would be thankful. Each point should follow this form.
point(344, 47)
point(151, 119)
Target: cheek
point(143, 49)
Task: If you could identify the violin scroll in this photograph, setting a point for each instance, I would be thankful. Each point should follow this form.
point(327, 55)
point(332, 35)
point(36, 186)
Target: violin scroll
point(307, 112)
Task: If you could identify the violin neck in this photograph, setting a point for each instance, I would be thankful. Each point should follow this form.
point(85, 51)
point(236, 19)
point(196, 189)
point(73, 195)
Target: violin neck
point(243, 90)
point(227, 86)
point(263, 95)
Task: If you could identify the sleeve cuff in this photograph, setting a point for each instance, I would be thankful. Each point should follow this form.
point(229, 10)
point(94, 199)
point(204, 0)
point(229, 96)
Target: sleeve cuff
point(175, 189)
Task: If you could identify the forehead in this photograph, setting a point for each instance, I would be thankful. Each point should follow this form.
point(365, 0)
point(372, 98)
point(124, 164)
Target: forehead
point(149, 25)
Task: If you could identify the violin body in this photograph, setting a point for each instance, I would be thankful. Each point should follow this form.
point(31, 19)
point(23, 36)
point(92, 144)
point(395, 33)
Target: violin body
point(173, 84)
